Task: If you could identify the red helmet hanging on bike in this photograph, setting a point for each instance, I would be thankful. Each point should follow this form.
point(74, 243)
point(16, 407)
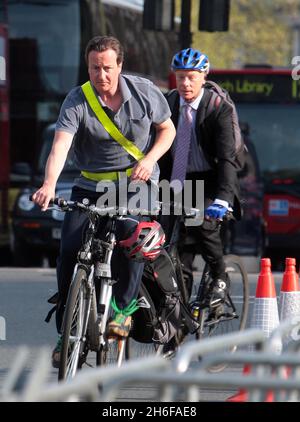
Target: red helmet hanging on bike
point(145, 243)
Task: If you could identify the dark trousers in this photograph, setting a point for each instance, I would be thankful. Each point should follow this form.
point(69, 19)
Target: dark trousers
point(126, 272)
point(205, 239)
point(208, 244)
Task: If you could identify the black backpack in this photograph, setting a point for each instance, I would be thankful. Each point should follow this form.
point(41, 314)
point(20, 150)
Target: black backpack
point(219, 94)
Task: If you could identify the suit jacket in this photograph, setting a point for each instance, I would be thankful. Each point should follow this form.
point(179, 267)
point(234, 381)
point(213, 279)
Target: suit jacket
point(215, 135)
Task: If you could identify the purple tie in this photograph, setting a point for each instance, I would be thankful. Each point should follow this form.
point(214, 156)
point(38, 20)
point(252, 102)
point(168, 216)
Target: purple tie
point(182, 147)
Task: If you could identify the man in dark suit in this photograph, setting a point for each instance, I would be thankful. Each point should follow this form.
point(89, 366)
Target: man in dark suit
point(209, 155)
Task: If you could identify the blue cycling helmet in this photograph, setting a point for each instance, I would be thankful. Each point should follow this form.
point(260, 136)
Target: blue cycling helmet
point(190, 59)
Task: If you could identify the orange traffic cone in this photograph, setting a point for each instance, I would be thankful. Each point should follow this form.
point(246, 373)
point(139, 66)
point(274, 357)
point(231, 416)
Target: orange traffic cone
point(265, 317)
point(265, 314)
point(289, 294)
point(241, 395)
point(290, 291)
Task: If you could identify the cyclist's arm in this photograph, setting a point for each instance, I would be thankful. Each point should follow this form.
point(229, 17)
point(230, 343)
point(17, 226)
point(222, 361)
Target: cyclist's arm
point(165, 134)
point(55, 163)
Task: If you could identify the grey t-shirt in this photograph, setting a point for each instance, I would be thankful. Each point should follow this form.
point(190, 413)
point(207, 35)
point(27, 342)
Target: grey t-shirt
point(94, 149)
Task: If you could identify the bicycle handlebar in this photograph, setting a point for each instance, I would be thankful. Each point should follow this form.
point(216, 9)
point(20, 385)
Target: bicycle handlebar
point(120, 211)
point(65, 205)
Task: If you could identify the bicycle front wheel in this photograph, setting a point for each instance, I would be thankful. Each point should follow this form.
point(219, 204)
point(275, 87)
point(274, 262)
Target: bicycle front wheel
point(231, 315)
point(112, 352)
point(74, 347)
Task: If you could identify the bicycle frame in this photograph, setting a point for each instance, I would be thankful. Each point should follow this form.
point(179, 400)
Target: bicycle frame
point(99, 271)
point(103, 270)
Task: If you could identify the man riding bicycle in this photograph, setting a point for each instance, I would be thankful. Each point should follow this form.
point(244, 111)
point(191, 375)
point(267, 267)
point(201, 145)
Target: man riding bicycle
point(203, 149)
point(131, 105)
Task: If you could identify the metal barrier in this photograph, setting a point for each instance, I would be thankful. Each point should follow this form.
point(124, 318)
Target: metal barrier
point(268, 372)
point(85, 386)
point(267, 368)
point(287, 370)
point(214, 344)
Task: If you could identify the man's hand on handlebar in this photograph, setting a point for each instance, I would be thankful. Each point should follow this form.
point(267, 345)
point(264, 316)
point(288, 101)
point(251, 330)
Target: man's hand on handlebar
point(215, 212)
point(43, 196)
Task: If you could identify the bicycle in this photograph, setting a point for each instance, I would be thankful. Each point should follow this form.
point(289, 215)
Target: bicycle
point(86, 316)
point(230, 315)
point(88, 308)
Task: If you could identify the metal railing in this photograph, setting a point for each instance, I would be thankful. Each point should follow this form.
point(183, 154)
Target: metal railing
point(270, 371)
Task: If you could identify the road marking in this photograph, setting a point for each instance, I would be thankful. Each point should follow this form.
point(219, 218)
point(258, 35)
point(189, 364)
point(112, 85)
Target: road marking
point(2, 328)
point(27, 275)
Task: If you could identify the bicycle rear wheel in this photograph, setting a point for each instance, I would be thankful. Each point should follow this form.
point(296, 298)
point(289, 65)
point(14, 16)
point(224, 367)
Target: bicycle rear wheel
point(181, 276)
point(74, 347)
point(232, 314)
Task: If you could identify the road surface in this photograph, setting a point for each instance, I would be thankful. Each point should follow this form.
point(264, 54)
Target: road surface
point(23, 307)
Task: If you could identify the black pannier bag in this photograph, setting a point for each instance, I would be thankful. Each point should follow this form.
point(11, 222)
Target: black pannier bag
point(161, 312)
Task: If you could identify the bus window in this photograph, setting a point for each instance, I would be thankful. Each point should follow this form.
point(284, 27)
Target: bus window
point(276, 134)
point(48, 37)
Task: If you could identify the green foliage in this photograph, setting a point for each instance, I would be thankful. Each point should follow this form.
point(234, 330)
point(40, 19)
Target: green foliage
point(259, 32)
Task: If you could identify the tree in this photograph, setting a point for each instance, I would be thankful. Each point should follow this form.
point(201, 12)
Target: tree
point(259, 32)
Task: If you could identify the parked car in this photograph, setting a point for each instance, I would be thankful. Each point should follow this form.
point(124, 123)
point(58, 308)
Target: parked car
point(282, 215)
point(36, 235)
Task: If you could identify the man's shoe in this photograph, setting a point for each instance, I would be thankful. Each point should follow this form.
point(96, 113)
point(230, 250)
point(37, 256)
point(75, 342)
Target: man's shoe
point(120, 325)
point(218, 293)
point(56, 353)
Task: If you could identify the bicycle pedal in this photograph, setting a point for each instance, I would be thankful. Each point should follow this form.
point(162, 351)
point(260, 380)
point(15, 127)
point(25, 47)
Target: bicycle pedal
point(221, 307)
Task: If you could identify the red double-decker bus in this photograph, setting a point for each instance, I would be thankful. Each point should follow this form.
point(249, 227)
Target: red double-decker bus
point(268, 102)
point(4, 122)
point(46, 42)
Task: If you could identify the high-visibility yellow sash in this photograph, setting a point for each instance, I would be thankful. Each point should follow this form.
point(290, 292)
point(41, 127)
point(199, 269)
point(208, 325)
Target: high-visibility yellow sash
point(108, 125)
point(108, 175)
